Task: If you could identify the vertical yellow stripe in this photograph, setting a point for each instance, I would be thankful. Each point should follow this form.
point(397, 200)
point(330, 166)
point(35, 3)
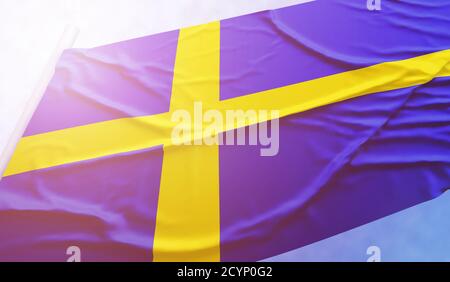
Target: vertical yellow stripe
point(188, 217)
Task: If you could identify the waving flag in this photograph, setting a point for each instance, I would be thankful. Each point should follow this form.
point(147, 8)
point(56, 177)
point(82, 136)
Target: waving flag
point(364, 131)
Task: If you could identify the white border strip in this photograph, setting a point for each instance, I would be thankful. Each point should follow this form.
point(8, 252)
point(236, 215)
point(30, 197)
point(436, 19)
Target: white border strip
point(66, 41)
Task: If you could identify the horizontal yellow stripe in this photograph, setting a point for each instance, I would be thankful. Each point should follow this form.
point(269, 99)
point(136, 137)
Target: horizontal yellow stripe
point(123, 135)
point(88, 142)
point(311, 94)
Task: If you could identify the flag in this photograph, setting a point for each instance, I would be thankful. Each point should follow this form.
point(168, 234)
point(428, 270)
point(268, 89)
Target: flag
point(364, 131)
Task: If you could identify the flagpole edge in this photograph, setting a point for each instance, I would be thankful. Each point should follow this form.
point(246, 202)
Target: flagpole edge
point(66, 41)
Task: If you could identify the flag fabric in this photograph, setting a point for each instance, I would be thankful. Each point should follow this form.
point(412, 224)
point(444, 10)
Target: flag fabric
point(364, 132)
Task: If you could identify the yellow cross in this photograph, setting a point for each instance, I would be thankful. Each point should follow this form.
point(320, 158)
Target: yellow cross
point(187, 221)
point(188, 216)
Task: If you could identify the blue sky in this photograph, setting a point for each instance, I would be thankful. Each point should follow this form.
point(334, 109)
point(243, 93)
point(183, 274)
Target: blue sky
point(420, 233)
